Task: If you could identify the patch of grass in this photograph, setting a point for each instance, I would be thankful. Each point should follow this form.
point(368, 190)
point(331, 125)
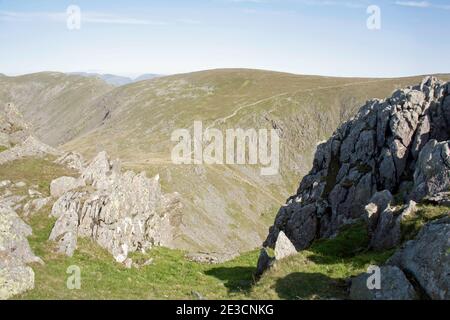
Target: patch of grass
point(411, 225)
point(34, 171)
point(170, 275)
point(350, 240)
point(3, 148)
point(320, 272)
point(317, 273)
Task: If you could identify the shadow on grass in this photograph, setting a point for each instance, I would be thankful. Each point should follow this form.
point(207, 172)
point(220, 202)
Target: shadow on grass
point(350, 246)
point(301, 285)
point(236, 279)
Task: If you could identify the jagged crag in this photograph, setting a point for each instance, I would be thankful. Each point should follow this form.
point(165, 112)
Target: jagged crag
point(375, 167)
point(399, 144)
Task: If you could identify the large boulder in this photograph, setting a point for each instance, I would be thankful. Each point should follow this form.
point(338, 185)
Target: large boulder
point(379, 202)
point(432, 173)
point(384, 221)
point(61, 185)
point(101, 172)
point(283, 247)
point(15, 253)
point(426, 259)
point(30, 147)
point(393, 286)
point(72, 160)
point(264, 263)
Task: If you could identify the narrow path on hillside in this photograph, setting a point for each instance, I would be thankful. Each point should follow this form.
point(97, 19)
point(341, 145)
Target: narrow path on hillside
point(235, 112)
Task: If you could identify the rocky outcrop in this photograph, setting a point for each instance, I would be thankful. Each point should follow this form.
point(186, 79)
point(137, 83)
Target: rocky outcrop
point(34, 205)
point(72, 160)
point(283, 247)
point(13, 128)
point(122, 212)
point(61, 185)
point(31, 147)
point(393, 286)
point(432, 174)
point(384, 221)
point(388, 144)
point(419, 269)
point(264, 263)
point(440, 198)
point(426, 259)
point(15, 253)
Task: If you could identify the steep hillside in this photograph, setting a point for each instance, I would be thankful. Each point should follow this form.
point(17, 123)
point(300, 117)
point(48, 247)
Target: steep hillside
point(227, 208)
point(58, 106)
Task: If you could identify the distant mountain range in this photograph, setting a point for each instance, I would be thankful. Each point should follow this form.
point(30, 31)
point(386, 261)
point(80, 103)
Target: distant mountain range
point(116, 80)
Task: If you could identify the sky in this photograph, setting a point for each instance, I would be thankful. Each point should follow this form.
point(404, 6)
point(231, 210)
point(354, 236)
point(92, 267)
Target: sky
point(324, 37)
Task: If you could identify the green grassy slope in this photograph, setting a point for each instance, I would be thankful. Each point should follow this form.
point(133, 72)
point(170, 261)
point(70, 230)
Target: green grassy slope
point(57, 105)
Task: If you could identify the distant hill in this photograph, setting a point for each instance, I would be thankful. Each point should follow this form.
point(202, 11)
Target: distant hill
point(226, 208)
point(116, 80)
point(146, 76)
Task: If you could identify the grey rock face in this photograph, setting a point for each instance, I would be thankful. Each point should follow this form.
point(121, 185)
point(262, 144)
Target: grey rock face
point(384, 221)
point(441, 198)
point(72, 160)
point(388, 143)
point(65, 231)
point(379, 202)
point(31, 147)
point(264, 263)
point(387, 233)
point(35, 205)
point(393, 286)
point(15, 131)
point(61, 185)
point(432, 174)
point(283, 247)
point(15, 253)
point(122, 212)
point(427, 260)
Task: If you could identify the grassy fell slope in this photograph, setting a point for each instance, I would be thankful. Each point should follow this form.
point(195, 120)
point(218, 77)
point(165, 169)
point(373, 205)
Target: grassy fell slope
point(58, 106)
point(227, 208)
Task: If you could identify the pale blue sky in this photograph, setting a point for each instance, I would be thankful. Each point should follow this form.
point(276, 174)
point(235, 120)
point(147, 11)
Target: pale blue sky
point(327, 37)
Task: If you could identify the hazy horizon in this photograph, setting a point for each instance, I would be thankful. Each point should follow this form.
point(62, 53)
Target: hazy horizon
point(136, 75)
point(311, 37)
